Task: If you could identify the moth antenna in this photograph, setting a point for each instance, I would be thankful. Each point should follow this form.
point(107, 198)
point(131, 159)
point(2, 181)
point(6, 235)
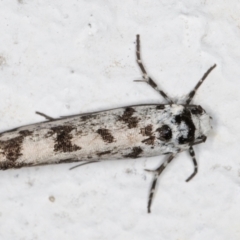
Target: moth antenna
point(193, 92)
point(146, 78)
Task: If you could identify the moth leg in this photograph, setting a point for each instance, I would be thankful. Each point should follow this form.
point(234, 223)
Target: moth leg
point(157, 173)
point(204, 138)
point(192, 93)
point(192, 154)
point(147, 79)
point(81, 164)
point(46, 116)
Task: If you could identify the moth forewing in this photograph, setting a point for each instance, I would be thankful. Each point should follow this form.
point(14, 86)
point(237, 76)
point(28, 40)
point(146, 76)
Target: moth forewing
point(129, 132)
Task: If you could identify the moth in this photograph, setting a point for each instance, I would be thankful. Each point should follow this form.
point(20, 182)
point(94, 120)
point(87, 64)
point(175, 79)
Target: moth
point(129, 132)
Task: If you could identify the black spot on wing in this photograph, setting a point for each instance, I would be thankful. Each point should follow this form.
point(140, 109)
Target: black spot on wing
point(149, 141)
point(63, 139)
point(99, 154)
point(87, 117)
point(106, 135)
point(68, 160)
point(9, 164)
point(136, 151)
point(146, 131)
point(160, 107)
point(127, 118)
point(25, 133)
point(12, 148)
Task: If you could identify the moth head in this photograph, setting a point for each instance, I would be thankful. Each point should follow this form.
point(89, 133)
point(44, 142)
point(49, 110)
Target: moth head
point(184, 125)
point(202, 122)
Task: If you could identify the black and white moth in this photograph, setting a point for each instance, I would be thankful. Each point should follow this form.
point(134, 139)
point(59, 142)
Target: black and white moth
point(130, 132)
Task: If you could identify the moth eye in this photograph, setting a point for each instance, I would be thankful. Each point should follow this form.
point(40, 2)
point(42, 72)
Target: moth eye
point(165, 133)
point(197, 110)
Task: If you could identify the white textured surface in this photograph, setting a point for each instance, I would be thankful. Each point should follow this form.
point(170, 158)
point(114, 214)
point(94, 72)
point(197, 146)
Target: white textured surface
point(64, 57)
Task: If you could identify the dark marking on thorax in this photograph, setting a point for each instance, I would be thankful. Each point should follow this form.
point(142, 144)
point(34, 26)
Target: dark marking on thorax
point(164, 133)
point(186, 117)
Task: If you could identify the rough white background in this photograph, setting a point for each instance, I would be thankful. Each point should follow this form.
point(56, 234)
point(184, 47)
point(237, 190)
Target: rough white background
point(66, 57)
